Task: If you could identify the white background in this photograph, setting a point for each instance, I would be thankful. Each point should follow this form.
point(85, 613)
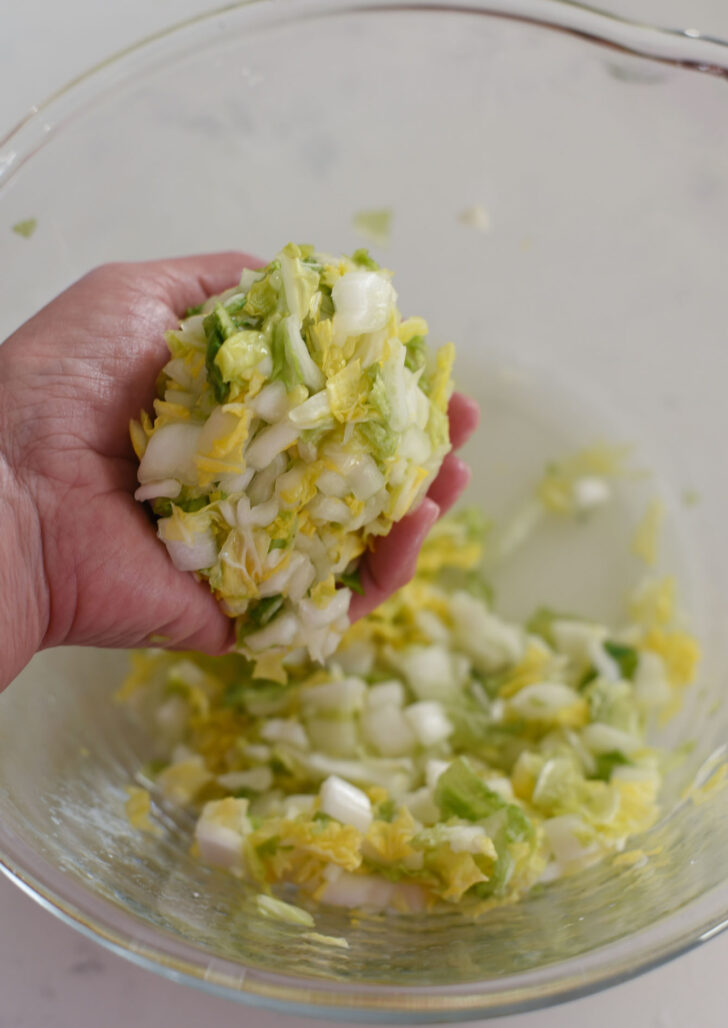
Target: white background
point(49, 975)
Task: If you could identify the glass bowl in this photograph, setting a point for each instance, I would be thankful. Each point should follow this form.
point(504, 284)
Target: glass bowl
point(558, 181)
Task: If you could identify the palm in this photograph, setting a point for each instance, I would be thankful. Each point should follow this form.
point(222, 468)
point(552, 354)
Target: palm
point(73, 377)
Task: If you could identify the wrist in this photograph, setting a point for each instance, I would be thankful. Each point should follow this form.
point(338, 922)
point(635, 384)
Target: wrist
point(23, 592)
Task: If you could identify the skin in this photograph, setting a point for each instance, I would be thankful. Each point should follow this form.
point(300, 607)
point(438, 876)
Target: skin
point(80, 563)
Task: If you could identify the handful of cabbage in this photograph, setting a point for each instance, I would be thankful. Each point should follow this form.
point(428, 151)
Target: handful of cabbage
point(298, 417)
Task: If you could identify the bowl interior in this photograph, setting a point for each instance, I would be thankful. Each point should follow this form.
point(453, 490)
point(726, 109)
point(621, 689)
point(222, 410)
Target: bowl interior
point(591, 307)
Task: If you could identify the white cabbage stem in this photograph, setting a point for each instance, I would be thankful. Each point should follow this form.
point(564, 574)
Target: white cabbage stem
point(362, 301)
point(269, 443)
point(168, 488)
point(170, 453)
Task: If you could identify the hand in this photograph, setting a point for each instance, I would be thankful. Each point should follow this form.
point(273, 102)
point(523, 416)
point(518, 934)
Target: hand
point(80, 559)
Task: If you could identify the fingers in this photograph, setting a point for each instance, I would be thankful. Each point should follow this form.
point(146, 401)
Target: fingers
point(453, 477)
point(464, 415)
point(391, 564)
point(185, 282)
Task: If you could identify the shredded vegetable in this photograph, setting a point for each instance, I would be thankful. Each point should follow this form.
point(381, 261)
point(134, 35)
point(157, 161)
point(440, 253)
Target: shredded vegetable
point(374, 225)
point(443, 756)
point(298, 417)
point(25, 228)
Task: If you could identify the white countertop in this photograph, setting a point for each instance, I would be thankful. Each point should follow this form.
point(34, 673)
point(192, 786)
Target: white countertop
point(49, 974)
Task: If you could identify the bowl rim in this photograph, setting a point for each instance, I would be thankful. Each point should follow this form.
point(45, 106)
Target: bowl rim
point(117, 930)
point(102, 921)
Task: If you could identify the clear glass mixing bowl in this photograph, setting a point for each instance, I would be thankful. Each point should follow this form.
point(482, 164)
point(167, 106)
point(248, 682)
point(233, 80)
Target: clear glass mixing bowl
point(595, 298)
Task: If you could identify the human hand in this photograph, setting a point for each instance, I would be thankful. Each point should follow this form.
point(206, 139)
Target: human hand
point(81, 563)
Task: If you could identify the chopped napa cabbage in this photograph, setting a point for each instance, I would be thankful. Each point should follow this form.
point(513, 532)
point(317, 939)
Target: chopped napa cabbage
point(374, 225)
point(288, 913)
point(476, 217)
point(238, 356)
point(337, 941)
point(460, 792)
point(298, 417)
point(646, 539)
point(25, 228)
point(415, 769)
point(580, 481)
point(138, 809)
